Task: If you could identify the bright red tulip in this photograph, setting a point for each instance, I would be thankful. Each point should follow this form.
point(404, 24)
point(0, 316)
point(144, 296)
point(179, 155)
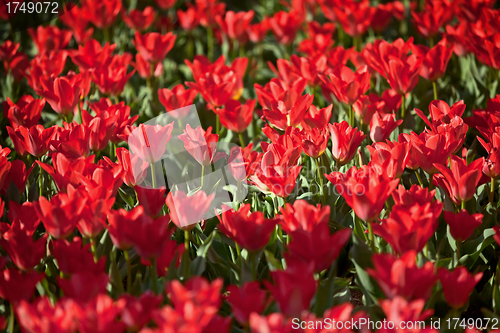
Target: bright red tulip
point(399, 311)
point(281, 116)
point(402, 277)
point(201, 144)
point(149, 141)
point(345, 141)
point(185, 210)
point(317, 117)
point(136, 312)
point(293, 288)
point(247, 299)
point(303, 216)
point(314, 141)
point(175, 99)
point(63, 94)
point(390, 156)
point(365, 189)
point(366, 106)
point(102, 13)
point(98, 314)
point(346, 85)
point(24, 252)
point(236, 116)
point(430, 150)
point(25, 214)
point(256, 32)
point(435, 59)
point(49, 38)
point(188, 19)
point(435, 14)
point(112, 75)
point(458, 285)
point(460, 182)
point(381, 126)
point(61, 214)
point(153, 46)
point(354, 16)
point(16, 286)
point(74, 258)
point(139, 20)
point(42, 315)
point(234, 25)
point(34, 141)
point(250, 231)
point(77, 20)
point(26, 112)
point(462, 224)
point(285, 25)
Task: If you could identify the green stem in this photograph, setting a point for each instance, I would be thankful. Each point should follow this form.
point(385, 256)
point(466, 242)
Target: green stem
point(202, 175)
point(320, 178)
point(210, 42)
point(419, 178)
point(217, 124)
point(492, 189)
point(12, 319)
point(40, 182)
point(238, 250)
point(403, 107)
point(154, 276)
point(129, 270)
point(238, 192)
point(242, 142)
point(462, 205)
point(153, 174)
point(105, 32)
point(351, 116)
point(372, 237)
point(459, 244)
point(186, 240)
point(93, 248)
point(435, 89)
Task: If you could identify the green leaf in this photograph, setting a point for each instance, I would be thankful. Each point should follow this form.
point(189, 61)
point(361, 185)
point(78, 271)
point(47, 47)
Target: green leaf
point(197, 266)
point(203, 249)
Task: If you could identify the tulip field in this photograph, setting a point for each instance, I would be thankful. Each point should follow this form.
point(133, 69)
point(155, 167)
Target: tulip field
point(250, 166)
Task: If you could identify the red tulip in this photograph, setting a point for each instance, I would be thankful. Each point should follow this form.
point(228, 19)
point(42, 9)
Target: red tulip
point(74, 258)
point(247, 299)
point(121, 112)
point(136, 312)
point(149, 141)
point(382, 16)
point(185, 210)
point(153, 46)
point(318, 246)
point(92, 55)
point(279, 90)
point(24, 252)
point(234, 25)
point(42, 315)
point(251, 231)
point(317, 117)
point(236, 116)
point(135, 169)
point(430, 150)
point(98, 313)
point(201, 144)
point(25, 214)
point(101, 129)
point(171, 251)
point(16, 286)
point(144, 68)
point(355, 17)
point(460, 182)
point(407, 228)
point(188, 19)
point(435, 59)
point(390, 156)
point(151, 199)
point(84, 286)
point(346, 85)
point(381, 126)
point(102, 13)
point(401, 312)
point(34, 141)
point(148, 235)
point(314, 141)
point(366, 106)
point(285, 25)
point(274, 322)
point(303, 216)
point(26, 112)
point(77, 20)
point(256, 32)
point(293, 288)
point(402, 277)
point(61, 214)
point(458, 285)
point(112, 75)
point(243, 162)
point(49, 38)
point(462, 225)
point(281, 116)
point(365, 190)
point(175, 99)
point(378, 55)
point(139, 20)
point(402, 74)
point(442, 113)
point(197, 291)
point(277, 179)
point(63, 94)
point(435, 14)
point(491, 167)
point(345, 141)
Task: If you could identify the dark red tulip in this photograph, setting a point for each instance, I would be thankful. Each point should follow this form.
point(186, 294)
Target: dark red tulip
point(458, 285)
point(139, 20)
point(245, 300)
point(462, 224)
point(345, 141)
